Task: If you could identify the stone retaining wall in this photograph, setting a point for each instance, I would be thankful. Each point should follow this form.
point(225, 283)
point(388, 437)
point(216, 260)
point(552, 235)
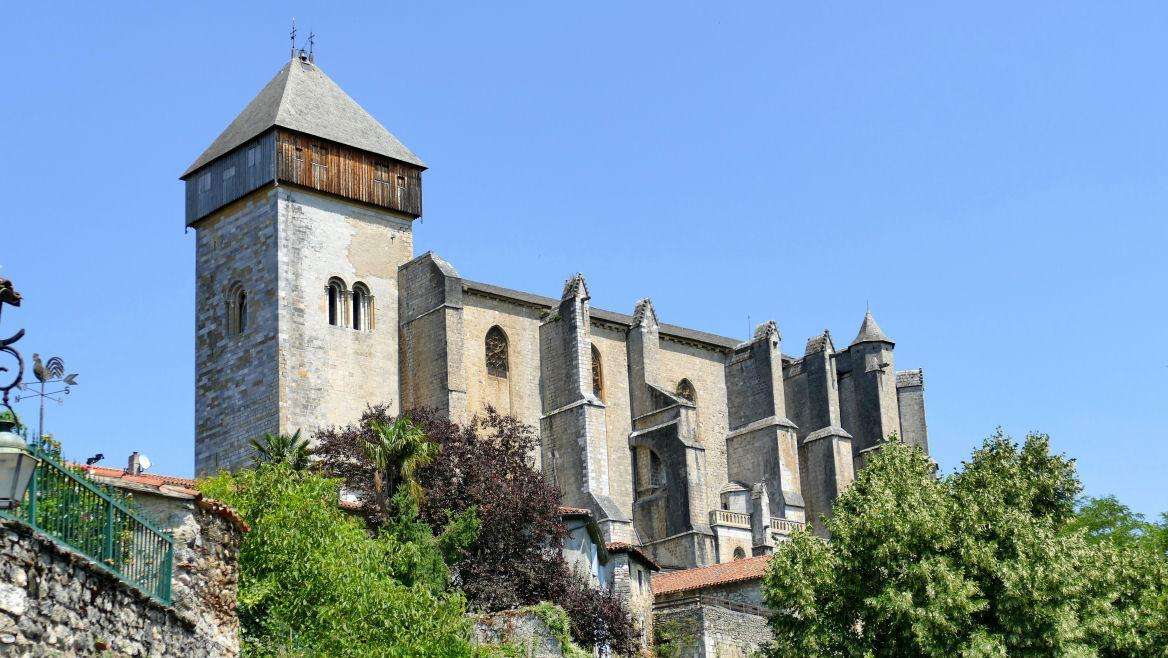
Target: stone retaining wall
point(54, 601)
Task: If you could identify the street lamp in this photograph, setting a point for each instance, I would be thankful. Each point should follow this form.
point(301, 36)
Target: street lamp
point(17, 462)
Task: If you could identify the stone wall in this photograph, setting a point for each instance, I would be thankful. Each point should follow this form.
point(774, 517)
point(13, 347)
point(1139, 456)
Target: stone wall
point(206, 561)
point(431, 343)
point(632, 582)
point(910, 396)
point(518, 392)
point(55, 601)
point(706, 370)
point(326, 370)
point(519, 629)
point(618, 422)
point(236, 374)
point(708, 627)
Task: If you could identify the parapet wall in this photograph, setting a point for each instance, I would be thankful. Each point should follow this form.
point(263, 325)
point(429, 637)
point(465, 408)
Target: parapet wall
point(54, 601)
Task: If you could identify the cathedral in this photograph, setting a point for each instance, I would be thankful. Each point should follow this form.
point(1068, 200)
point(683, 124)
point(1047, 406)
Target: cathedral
point(695, 448)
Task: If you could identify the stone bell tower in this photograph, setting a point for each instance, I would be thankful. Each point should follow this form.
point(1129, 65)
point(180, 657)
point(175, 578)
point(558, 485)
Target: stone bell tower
point(302, 209)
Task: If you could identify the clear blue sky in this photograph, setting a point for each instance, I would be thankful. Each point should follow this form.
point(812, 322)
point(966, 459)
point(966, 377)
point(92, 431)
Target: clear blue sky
point(992, 178)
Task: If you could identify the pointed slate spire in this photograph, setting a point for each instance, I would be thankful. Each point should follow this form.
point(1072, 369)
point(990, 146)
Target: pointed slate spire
point(302, 98)
point(870, 332)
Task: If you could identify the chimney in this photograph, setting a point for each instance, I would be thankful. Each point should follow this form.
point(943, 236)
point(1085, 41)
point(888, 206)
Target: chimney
point(134, 465)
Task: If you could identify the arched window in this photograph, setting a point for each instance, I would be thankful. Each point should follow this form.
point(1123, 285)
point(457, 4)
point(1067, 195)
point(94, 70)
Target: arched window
point(739, 553)
point(236, 309)
point(686, 391)
point(241, 312)
point(597, 374)
point(362, 307)
point(336, 302)
point(496, 352)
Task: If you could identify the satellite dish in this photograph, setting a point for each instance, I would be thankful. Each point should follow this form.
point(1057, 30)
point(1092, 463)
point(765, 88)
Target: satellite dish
point(143, 462)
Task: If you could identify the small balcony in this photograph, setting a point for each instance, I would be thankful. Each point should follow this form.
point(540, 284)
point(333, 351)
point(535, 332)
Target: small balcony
point(728, 518)
point(785, 527)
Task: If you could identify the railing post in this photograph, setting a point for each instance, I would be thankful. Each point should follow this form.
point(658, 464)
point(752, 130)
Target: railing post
point(107, 552)
point(166, 576)
point(32, 496)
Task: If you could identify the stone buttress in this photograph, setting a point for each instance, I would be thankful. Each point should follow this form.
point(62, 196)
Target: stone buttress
point(669, 507)
point(431, 337)
point(825, 448)
point(572, 426)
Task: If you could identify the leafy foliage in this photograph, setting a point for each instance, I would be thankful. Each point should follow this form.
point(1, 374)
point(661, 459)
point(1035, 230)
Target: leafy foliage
point(985, 562)
point(1107, 519)
point(315, 582)
point(396, 452)
point(486, 466)
point(287, 449)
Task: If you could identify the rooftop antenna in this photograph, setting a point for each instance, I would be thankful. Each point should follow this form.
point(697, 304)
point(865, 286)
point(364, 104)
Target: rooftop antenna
point(292, 36)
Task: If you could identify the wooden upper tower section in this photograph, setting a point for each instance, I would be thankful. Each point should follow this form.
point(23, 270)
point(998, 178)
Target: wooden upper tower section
point(302, 129)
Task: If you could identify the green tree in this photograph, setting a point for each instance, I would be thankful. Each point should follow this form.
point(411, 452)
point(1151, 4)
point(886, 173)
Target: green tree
point(398, 449)
point(983, 562)
point(287, 449)
point(1108, 520)
point(313, 581)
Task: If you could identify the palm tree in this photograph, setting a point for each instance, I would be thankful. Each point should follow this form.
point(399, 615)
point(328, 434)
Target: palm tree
point(287, 449)
point(398, 451)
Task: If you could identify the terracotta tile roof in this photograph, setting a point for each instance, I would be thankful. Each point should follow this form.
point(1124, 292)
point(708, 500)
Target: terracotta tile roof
point(623, 547)
point(149, 479)
point(750, 568)
point(170, 486)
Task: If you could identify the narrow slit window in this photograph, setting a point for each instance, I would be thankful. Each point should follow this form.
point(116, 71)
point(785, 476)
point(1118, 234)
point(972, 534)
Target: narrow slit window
point(241, 312)
point(361, 307)
point(597, 374)
point(236, 309)
point(336, 302)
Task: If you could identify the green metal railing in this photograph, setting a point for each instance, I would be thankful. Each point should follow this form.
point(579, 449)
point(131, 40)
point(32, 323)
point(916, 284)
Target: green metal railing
point(77, 513)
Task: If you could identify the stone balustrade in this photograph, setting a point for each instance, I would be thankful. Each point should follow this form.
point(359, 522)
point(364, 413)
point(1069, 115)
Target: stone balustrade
point(726, 517)
point(785, 527)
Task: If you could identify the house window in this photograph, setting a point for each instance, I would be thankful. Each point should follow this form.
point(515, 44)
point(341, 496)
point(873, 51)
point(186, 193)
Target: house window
point(496, 352)
point(253, 156)
point(336, 302)
point(641, 578)
point(597, 374)
point(686, 391)
point(362, 307)
point(319, 164)
point(205, 182)
point(739, 553)
point(401, 188)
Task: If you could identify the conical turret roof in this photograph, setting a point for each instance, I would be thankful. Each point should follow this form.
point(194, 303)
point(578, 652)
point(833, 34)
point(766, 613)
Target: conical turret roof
point(870, 332)
point(302, 98)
